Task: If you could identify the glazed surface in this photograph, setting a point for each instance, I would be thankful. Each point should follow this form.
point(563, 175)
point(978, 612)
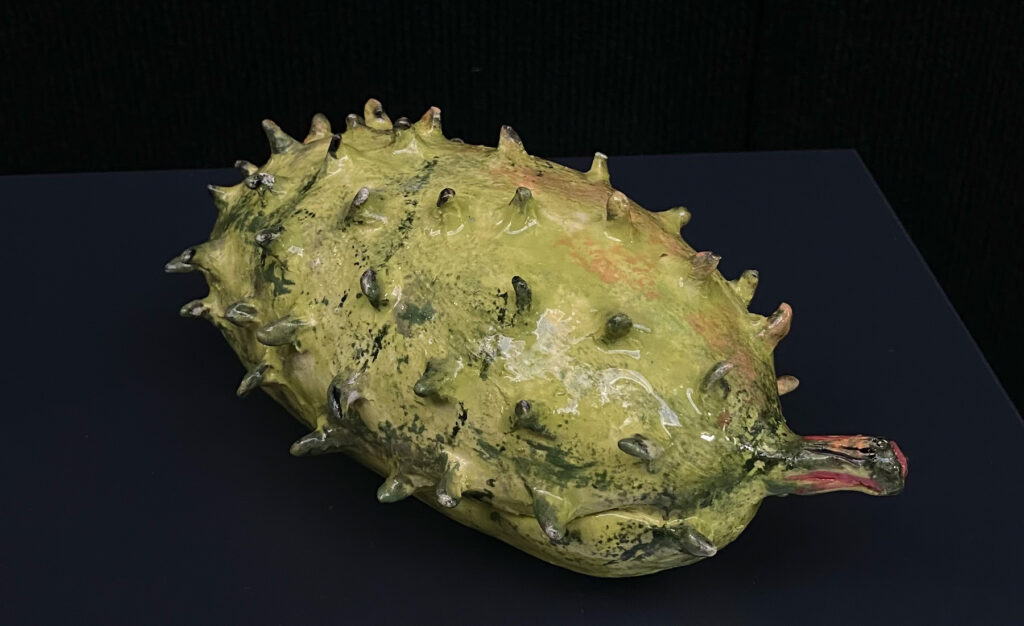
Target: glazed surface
point(514, 342)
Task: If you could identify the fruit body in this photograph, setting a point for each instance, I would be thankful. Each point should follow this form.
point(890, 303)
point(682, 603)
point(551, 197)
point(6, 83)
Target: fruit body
point(513, 342)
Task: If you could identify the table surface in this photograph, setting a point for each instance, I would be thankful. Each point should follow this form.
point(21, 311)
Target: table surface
point(138, 489)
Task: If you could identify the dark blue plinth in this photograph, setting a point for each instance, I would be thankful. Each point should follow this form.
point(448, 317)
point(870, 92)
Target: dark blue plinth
point(138, 489)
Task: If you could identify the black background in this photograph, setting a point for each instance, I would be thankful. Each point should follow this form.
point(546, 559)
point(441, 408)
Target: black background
point(929, 93)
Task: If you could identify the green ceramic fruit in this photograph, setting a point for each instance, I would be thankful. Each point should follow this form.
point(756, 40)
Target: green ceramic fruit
point(513, 342)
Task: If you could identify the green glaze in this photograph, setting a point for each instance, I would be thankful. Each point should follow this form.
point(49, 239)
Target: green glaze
point(513, 342)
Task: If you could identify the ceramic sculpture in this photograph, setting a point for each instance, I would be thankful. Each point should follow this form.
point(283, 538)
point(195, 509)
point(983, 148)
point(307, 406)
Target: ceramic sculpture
point(513, 342)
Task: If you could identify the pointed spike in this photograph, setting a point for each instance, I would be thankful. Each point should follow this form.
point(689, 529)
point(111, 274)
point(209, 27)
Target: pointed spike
point(370, 287)
point(617, 207)
point(641, 447)
point(319, 128)
point(430, 382)
point(220, 197)
point(745, 286)
point(246, 167)
point(353, 121)
point(522, 212)
point(778, 325)
point(551, 512)
point(252, 380)
point(450, 485)
point(280, 141)
point(314, 442)
point(360, 198)
point(430, 123)
point(342, 393)
point(524, 295)
point(446, 194)
point(715, 374)
point(522, 198)
point(183, 263)
point(509, 143)
point(351, 212)
point(787, 384)
point(674, 219)
point(617, 326)
point(704, 263)
point(528, 417)
point(394, 488)
point(693, 542)
point(260, 181)
point(598, 171)
point(332, 148)
point(280, 332)
point(195, 310)
point(267, 235)
point(241, 314)
point(376, 118)
point(523, 410)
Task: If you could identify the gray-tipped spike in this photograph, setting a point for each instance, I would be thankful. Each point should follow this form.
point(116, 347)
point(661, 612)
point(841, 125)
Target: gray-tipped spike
point(522, 212)
point(617, 207)
point(195, 310)
point(524, 296)
point(449, 486)
point(267, 235)
point(430, 123)
point(182, 263)
point(360, 198)
point(430, 382)
point(252, 380)
point(246, 167)
point(446, 194)
point(526, 416)
point(787, 384)
point(280, 332)
point(778, 325)
point(598, 171)
point(693, 542)
point(745, 286)
point(353, 121)
point(219, 195)
point(319, 128)
point(315, 442)
point(704, 263)
point(523, 410)
point(241, 314)
point(279, 140)
point(522, 198)
point(332, 148)
point(260, 181)
point(509, 143)
point(641, 447)
point(370, 287)
point(342, 393)
point(715, 375)
point(376, 118)
point(550, 512)
point(617, 326)
point(394, 488)
point(352, 211)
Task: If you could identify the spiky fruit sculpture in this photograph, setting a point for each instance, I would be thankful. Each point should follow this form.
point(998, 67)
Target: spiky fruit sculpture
point(515, 343)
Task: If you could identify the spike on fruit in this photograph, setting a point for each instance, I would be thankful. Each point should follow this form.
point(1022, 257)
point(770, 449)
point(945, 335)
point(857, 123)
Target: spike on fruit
point(536, 356)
